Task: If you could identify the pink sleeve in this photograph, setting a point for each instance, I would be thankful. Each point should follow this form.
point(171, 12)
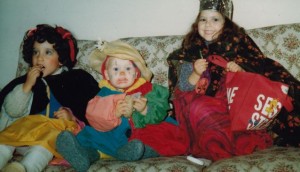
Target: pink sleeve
point(100, 112)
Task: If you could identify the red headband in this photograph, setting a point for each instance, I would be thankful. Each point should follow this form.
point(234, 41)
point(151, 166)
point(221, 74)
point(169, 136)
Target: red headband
point(103, 67)
point(31, 32)
point(67, 35)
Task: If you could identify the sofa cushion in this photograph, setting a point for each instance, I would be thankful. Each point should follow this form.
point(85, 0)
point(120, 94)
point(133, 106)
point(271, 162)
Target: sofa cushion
point(280, 43)
point(272, 159)
point(177, 163)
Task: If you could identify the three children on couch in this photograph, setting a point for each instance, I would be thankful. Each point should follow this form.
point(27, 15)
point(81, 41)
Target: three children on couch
point(57, 111)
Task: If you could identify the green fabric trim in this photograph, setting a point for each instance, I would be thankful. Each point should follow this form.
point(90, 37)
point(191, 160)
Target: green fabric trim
point(158, 106)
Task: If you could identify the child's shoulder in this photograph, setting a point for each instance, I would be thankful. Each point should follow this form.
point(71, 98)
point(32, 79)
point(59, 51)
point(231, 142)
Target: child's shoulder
point(78, 76)
point(77, 73)
point(10, 86)
point(159, 89)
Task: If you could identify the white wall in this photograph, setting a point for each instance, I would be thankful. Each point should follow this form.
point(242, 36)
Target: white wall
point(112, 19)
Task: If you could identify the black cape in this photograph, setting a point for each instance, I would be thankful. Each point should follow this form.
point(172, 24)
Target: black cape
point(72, 89)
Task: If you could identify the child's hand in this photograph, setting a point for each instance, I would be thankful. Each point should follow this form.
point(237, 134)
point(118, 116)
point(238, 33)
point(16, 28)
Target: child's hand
point(200, 66)
point(123, 108)
point(233, 67)
point(140, 105)
point(63, 113)
point(32, 75)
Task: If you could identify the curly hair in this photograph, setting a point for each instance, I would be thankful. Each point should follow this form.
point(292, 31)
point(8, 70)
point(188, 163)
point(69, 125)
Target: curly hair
point(228, 32)
point(64, 43)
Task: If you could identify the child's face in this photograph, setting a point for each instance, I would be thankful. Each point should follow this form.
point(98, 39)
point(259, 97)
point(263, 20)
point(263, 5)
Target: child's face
point(120, 73)
point(46, 57)
point(210, 24)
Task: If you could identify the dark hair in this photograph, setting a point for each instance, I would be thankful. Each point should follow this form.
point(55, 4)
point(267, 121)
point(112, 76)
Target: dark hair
point(64, 43)
point(228, 32)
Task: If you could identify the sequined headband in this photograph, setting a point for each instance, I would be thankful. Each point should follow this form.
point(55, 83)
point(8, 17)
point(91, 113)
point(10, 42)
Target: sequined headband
point(225, 7)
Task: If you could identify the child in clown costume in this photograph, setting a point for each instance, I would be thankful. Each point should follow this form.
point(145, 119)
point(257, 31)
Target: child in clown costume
point(128, 116)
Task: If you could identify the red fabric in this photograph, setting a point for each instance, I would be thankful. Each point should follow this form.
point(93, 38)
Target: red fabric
point(207, 123)
point(67, 35)
point(248, 141)
point(254, 100)
point(144, 89)
point(165, 138)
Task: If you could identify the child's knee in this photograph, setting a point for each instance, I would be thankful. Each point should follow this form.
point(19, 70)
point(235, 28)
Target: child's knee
point(6, 153)
point(36, 158)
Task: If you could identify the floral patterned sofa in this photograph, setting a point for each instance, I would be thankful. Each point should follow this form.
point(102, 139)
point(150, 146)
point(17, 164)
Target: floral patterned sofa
point(280, 42)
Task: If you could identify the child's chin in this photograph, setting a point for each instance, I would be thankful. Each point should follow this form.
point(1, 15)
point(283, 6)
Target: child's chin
point(123, 85)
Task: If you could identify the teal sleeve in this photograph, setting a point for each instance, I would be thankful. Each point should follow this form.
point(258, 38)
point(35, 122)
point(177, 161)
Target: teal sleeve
point(157, 104)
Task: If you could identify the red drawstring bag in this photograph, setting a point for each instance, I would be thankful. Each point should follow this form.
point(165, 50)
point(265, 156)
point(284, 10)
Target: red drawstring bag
point(253, 100)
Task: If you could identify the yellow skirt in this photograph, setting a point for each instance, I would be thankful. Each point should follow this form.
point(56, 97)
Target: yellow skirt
point(36, 130)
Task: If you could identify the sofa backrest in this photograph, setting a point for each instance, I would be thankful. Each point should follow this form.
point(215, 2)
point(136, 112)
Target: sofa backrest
point(280, 42)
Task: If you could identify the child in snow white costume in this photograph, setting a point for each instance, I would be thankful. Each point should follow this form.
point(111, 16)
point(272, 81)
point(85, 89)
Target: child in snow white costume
point(51, 97)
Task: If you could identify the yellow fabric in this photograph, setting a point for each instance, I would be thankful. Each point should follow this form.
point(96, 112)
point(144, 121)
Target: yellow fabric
point(105, 156)
point(36, 130)
point(137, 84)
